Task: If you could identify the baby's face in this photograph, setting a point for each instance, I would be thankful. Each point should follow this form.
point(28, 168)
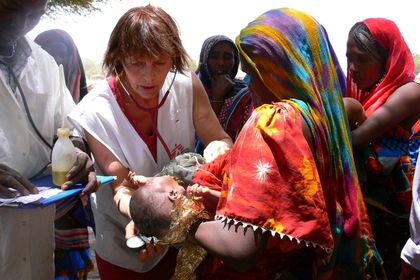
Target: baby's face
point(164, 185)
point(161, 191)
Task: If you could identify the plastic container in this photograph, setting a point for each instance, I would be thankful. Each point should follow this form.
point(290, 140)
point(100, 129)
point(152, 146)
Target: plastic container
point(63, 156)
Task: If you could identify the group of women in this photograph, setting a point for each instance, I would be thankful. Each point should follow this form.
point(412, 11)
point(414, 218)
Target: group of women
point(296, 145)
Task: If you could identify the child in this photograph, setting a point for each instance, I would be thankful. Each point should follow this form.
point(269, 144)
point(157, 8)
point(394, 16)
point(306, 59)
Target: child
point(355, 112)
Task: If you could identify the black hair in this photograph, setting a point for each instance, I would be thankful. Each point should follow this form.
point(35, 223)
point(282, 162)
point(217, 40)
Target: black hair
point(364, 39)
point(146, 217)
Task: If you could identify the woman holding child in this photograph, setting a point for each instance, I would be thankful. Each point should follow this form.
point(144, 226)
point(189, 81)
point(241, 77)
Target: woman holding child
point(381, 76)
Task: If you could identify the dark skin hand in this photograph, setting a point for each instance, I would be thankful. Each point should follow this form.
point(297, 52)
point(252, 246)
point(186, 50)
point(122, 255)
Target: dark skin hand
point(221, 85)
point(10, 178)
point(82, 171)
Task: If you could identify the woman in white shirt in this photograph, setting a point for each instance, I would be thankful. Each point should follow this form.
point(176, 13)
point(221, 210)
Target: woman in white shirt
point(144, 113)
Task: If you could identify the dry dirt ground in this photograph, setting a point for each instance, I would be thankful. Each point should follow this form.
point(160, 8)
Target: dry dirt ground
point(93, 275)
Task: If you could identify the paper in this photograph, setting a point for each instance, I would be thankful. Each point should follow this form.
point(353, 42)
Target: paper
point(44, 192)
point(48, 193)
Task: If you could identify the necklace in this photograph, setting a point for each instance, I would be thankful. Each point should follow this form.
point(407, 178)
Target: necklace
point(140, 106)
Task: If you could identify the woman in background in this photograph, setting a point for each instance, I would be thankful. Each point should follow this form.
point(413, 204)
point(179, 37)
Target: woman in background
point(380, 76)
point(61, 46)
point(229, 96)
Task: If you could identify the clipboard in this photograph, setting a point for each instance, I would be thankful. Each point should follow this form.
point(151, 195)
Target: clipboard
point(47, 182)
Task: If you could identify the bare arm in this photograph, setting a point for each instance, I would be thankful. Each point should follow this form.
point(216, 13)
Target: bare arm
point(239, 247)
point(111, 166)
point(206, 123)
point(402, 107)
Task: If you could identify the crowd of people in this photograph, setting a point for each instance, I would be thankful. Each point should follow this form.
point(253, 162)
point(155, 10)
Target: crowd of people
point(301, 171)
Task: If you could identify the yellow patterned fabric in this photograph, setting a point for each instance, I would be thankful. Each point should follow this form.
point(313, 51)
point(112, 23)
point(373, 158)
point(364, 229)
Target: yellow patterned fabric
point(186, 211)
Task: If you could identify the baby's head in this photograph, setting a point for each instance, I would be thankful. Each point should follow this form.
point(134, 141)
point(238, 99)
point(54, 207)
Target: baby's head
point(151, 204)
point(153, 200)
point(355, 112)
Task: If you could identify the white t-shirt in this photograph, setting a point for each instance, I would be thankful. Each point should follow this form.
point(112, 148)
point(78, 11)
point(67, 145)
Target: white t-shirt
point(411, 251)
point(27, 236)
point(100, 115)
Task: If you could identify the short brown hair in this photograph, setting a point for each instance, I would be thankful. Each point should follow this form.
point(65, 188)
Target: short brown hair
point(145, 31)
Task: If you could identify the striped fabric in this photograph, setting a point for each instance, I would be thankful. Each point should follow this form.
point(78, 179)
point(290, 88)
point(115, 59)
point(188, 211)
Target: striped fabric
point(72, 258)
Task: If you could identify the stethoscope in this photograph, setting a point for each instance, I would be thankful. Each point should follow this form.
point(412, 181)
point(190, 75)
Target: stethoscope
point(150, 110)
point(26, 107)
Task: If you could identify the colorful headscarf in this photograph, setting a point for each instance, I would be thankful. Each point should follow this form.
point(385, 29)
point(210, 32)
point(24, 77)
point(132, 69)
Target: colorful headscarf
point(291, 53)
point(300, 63)
point(73, 67)
point(399, 65)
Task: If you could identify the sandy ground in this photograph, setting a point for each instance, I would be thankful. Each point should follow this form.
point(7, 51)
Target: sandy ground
point(93, 275)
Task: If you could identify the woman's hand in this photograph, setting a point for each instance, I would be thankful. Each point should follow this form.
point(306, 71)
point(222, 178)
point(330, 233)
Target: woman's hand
point(209, 197)
point(11, 179)
point(197, 190)
point(149, 250)
point(221, 85)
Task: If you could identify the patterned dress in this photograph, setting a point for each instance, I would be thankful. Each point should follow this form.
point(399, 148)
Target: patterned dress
point(309, 200)
point(387, 187)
